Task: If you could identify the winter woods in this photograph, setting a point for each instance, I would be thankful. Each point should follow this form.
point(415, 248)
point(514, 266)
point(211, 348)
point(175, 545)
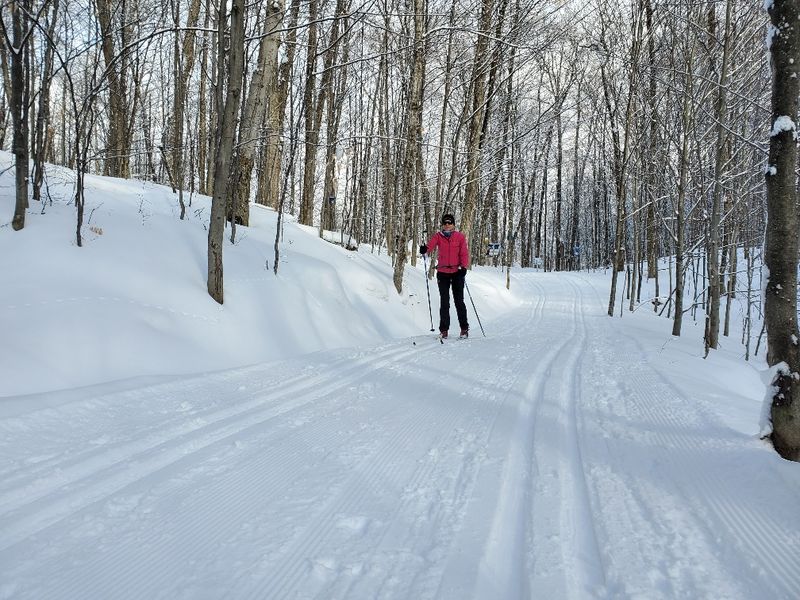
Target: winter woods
point(627, 136)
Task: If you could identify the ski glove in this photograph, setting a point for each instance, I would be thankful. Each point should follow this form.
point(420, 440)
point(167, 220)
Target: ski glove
point(423, 249)
point(462, 272)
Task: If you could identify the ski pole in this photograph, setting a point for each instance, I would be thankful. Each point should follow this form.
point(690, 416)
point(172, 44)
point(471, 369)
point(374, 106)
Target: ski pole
point(427, 287)
point(473, 307)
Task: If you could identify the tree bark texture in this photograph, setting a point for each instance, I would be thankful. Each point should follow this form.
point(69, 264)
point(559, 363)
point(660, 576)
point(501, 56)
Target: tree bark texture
point(414, 132)
point(112, 17)
point(311, 133)
point(254, 114)
point(712, 321)
point(269, 181)
point(226, 133)
point(781, 243)
point(19, 114)
point(473, 173)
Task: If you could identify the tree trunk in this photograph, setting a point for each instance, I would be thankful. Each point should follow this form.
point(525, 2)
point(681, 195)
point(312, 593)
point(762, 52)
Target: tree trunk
point(42, 136)
point(414, 132)
point(781, 243)
point(559, 199)
point(254, 114)
point(183, 63)
point(19, 113)
point(309, 108)
point(712, 316)
point(650, 181)
point(227, 132)
point(335, 98)
point(476, 121)
point(621, 160)
point(117, 162)
point(269, 181)
point(680, 203)
point(202, 111)
point(388, 178)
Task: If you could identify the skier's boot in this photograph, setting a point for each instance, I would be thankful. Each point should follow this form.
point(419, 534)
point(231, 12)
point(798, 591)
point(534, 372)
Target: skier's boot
point(464, 333)
point(443, 334)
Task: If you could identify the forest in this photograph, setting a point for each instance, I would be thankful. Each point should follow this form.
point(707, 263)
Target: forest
point(653, 139)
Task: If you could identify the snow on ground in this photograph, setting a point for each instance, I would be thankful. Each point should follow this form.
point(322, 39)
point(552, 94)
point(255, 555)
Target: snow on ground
point(311, 439)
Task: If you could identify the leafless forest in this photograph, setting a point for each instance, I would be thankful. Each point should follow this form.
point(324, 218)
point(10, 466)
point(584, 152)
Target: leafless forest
point(574, 135)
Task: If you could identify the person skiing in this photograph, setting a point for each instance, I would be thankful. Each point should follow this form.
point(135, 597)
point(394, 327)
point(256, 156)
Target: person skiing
point(450, 271)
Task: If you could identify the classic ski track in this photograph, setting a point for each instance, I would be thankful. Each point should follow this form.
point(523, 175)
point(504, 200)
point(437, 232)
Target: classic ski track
point(496, 577)
point(754, 530)
point(74, 467)
point(465, 481)
point(149, 457)
point(380, 465)
point(714, 501)
point(272, 436)
point(198, 383)
point(271, 468)
point(577, 511)
point(437, 509)
point(294, 564)
point(560, 506)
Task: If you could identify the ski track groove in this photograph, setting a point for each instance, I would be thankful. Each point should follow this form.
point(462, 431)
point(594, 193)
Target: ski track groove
point(149, 458)
point(401, 562)
point(577, 512)
point(294, 565)
point(462, 484)
point(273, 483)
point(554, 456)
point(496, 577)
point(294, 559)
point(714, 501)
point(754, 530)
point(484, 436)
point(164, 430)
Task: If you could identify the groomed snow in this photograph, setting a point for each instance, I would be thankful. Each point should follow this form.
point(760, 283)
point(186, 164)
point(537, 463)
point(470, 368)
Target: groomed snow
point(311, 438)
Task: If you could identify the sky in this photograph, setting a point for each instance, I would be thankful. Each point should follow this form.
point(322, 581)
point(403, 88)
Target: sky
point(311, 438)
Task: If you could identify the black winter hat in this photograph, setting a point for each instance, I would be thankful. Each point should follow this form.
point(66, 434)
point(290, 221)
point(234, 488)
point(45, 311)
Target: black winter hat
point(448, 218)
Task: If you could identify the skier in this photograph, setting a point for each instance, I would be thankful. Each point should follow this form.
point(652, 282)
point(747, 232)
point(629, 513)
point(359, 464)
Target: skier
point(450, 271)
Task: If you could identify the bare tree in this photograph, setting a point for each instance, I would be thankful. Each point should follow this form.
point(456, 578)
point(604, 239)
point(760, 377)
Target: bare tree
point(227, 131)
point(714, 287)
point(781, 243)
point(478, 82)
point(254, 114)
point(412, 146)
point(115, 31)
point(17, 45)
point(42, 136)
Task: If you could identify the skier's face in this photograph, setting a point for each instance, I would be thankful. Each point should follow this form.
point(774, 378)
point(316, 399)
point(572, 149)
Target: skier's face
point(448, 226)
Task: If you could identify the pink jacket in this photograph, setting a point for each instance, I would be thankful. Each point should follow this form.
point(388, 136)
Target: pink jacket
point(453, 251)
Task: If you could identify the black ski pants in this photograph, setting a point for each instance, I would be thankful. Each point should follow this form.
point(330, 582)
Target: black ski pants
point(445, 281)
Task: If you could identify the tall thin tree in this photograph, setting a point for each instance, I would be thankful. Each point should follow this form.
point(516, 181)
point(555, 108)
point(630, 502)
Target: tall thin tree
point(781, 243)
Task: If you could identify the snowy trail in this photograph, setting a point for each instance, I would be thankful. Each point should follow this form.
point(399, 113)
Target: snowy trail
point(551, 459)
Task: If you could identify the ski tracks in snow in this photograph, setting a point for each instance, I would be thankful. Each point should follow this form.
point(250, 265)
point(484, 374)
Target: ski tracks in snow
point(543, 461)
point(667, 480)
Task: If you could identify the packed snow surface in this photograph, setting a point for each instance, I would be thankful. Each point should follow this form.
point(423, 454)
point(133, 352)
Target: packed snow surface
point(311, 438)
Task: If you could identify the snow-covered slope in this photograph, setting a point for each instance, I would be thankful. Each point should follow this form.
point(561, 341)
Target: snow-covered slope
point(132, 302)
